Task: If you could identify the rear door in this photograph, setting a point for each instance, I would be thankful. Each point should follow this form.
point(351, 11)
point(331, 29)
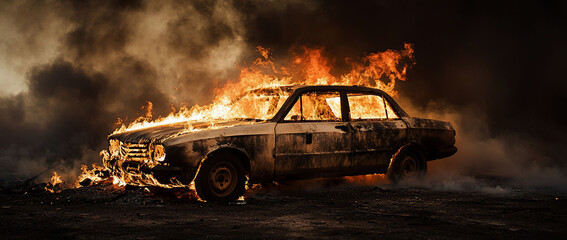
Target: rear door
point(377, 132)
point(314, 138)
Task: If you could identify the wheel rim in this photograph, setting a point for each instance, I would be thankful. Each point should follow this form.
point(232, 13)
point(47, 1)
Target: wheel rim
point(410, 167)
point(223, 179)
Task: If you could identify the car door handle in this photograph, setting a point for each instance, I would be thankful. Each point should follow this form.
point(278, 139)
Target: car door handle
point(345, 128)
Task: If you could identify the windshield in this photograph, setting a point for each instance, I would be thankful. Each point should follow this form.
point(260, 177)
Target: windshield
point(259, 104)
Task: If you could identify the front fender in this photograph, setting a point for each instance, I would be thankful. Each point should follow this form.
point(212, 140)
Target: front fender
point(253, 143)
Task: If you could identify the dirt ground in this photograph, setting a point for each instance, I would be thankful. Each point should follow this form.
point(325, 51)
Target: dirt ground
point(297, 210)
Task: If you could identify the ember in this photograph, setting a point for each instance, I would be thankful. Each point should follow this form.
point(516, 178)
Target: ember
point(55, 184)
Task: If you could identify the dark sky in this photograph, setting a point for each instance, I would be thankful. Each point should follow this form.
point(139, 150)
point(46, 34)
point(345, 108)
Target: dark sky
point(506, 59)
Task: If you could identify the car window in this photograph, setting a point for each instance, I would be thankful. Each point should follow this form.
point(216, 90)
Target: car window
point(316, 106)
point(364, 106)
point(257, 105)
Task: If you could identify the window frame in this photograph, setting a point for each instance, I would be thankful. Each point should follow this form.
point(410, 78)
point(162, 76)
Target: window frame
point(345, 111)
point(385, 99)
point(298, 98)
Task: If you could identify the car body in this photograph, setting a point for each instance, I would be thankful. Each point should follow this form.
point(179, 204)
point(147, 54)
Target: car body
point(313, 132)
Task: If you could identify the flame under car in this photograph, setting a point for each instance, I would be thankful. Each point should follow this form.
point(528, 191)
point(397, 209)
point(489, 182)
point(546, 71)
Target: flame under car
point(284, 133)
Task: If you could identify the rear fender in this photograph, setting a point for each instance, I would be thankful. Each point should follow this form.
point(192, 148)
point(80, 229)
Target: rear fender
point(410, 147)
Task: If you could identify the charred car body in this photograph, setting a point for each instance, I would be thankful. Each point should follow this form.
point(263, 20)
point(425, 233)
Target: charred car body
point(293, 132)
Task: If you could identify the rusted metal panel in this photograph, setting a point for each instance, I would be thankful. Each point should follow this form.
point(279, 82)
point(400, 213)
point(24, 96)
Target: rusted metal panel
point(374, 142)
point(437, 138)
point(311, 148)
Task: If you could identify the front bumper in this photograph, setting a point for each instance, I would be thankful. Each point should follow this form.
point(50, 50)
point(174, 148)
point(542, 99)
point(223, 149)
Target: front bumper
point(133, 166)
point(141, 174)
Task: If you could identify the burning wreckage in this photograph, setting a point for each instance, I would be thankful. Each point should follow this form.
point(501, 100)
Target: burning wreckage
point(292, 132)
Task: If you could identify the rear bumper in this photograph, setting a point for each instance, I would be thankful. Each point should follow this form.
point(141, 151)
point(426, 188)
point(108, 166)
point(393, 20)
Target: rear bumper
point(442, 152)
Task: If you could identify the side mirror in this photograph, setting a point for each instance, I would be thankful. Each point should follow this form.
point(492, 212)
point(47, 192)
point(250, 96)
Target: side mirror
point(295, 118)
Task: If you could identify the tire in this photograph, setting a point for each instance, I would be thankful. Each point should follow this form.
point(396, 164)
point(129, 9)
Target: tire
point(221, 178)
point(407, 165)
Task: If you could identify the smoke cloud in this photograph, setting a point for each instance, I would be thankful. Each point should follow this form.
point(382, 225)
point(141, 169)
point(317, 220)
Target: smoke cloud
point(74, 67)
point(70, 69)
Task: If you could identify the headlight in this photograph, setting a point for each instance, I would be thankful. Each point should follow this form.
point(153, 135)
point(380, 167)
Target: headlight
point(114, 147)
point(159, 153)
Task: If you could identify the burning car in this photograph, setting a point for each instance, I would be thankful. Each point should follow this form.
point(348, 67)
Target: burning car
point(282, 133)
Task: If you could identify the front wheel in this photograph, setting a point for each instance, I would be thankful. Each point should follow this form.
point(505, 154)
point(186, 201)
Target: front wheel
point(221, 178)
point(407, 165)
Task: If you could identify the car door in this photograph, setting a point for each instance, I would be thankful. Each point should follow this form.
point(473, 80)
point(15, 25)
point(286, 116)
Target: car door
point(377, 131)
point(313, 140)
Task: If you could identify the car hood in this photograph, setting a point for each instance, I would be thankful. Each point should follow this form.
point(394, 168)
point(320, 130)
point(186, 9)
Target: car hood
point(162, 132)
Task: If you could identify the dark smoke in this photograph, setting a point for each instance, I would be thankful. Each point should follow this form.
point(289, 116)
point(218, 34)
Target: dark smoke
point(497, 69)
point(108, 63)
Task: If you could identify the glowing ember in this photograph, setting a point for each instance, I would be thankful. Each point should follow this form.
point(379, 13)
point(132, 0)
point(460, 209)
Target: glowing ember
point(55, 184)
point(371, 179)
point(55, 179)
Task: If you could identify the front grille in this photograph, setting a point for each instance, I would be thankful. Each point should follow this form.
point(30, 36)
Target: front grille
point(135, 151)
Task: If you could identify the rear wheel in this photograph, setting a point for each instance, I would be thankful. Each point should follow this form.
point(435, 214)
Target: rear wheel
point(221, 178)
point(407, 165)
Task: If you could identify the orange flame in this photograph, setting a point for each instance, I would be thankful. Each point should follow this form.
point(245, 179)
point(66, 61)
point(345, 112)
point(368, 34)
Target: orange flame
point(55, 179)
point(379, 70)
point(55, 184)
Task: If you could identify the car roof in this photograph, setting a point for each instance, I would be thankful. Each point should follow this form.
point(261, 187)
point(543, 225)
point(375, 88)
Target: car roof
point(333, 87)
point(293, 88)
